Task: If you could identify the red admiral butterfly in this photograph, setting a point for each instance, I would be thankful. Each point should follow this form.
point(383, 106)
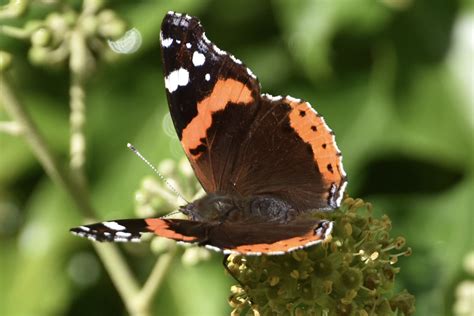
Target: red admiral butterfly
point(267, 163)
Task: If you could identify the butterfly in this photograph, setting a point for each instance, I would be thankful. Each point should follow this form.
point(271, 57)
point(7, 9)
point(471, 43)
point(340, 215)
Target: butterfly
point(267, 163)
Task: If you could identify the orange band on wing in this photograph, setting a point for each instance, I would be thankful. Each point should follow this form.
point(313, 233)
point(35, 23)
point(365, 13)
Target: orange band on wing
point(314, 131)
point(224, 92)
point(161, 228)
point(285, 245)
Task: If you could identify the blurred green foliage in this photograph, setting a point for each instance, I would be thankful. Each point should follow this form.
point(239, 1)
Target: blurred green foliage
point(393, 78)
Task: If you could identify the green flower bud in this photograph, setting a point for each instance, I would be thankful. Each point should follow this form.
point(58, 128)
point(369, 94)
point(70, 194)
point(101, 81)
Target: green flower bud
point(5, 61)
point(113, 29)
point(159, 245)
point(109, 25)
point(323, 268)
point(400, 242)
point(327, 287)
point(41, 37)
point(107, 15)
point(94, 5)
point(352, 278)
point(358, 203)
point(38, 55)
point(343, 309)
point(57, 23)
point(89, 25)
point(403, 302)
point(70, 18)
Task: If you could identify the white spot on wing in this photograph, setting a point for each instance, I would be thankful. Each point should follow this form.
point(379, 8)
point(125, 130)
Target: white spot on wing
point(341, 192)
point(85, 228)
point(189, 45)
point(214, 248)
point(341, 168)
point(113, 225)
point(273, 98)
point(174, 13)
point(251, 74)
point(276, 253)
point(166, 42)
point(123, 234)
point(80, 234)
point(236, 60)
point(120, 239)
point(219, 51)
point(198, 59)
point(291, 99)
point(176, 79)
point(204, 37)
point(207, 77)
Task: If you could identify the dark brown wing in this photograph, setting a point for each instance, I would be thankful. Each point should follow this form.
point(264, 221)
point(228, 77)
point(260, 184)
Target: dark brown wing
point(237, 140)
point(202, 83)
point(291, 153)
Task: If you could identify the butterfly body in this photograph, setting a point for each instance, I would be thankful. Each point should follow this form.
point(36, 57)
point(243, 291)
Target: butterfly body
point(266, 162)
point(222, 208)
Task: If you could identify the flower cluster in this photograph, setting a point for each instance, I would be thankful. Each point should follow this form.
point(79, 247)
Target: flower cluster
point(68, 34)
point(353, 273)
point(60, 35)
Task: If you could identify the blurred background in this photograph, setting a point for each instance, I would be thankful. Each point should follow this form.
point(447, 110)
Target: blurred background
point(393, 79)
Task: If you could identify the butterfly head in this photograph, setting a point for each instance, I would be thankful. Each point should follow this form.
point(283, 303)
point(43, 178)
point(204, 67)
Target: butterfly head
point(212, 207)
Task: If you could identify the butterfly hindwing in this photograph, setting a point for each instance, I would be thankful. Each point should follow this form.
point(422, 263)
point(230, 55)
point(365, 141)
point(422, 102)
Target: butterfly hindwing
point(248, 238)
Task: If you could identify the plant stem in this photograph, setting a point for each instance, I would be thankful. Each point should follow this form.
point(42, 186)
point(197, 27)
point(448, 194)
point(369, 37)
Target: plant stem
point(12, 128)
point(79, 65)
point(121, 276)
point(40, 148)
point(143, 299)
point(77, 123)
point(14, 32)
point(113, 261)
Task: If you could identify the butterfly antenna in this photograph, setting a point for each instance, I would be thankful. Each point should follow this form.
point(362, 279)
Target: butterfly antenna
point(171, 214)
point(136, 152)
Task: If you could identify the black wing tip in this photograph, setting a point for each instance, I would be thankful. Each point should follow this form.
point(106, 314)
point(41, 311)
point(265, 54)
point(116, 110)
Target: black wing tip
point(180, 20)
point(96, 232)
